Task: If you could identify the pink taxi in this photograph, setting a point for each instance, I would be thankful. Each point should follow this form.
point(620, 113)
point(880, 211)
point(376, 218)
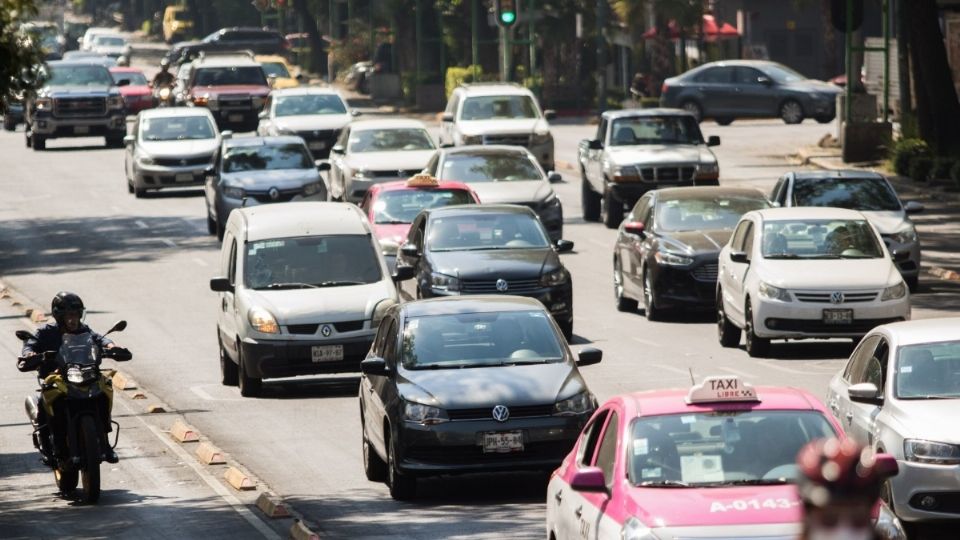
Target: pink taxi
point(717, 461)
point(391, 206)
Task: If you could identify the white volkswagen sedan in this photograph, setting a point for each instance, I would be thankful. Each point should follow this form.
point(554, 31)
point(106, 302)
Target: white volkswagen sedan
point(898, 393)
point(318, 115)
point(797, 273)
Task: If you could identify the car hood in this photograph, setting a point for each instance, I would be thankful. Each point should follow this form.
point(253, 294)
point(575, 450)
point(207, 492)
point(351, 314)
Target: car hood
point(659, 153)
point(138, 90)
point(923, 419)
point(393, 232)
point(252, 89)
point(887, 222)
point(696, 242)
point(829, 274)
point(180, 148)
point(526, 191)
point(327, 305)
point(688, 507)
point(80, 91)
point(307, 122)
point(495, 263)
point(384, 161)
point(469, 388)
point(503, 126)
point(280, 179)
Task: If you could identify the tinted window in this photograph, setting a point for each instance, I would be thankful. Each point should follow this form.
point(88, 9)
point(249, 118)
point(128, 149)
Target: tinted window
point(79, 76)
point(223, 76)
point(486, 231)
point(489, 107)
point(401, 206)
point(480, 340)
point(607, 452)
point(266, 158)
point(310, 261)
point(589, 439)
point(694, 214)
point(488, 167)
point(746, 75)
point(782, 74)
point(310, 104)
point(853, 193)
point(109, 41)
point(390, 140)
point(136, 79)
point(176, 128)
point(855, 367)
point(275, 68)
point(714, 75)
point(820, 239)
point(929, 370)
point(655, 130)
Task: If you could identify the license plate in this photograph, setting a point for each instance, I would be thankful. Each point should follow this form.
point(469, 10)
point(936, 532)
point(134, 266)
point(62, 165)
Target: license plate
point(235, 117)
point(80, 130)
point(183, 177)
point(502, 442)
point(837, 316)
point(326, 353)
point(317, 145)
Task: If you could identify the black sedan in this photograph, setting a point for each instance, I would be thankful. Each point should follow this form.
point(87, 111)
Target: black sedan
point(469, 385)
point(667, 247)
point(487, 249)
point(728, 90)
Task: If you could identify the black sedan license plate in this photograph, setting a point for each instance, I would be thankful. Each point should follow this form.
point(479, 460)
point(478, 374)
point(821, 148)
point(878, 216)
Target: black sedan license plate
point(837, 316)
point(502, 442)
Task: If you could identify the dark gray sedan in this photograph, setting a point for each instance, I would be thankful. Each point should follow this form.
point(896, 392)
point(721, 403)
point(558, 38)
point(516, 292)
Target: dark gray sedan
point(461, 385)
point(729, 90)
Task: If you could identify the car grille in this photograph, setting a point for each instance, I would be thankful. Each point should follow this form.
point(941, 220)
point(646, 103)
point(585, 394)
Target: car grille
point(706, 272)
point(182, 162)
point(551, 450)
point(397, 173)
point(235, 101)
point(311, 329)
point(79, 107)
point(486, 413)
point(670, 173)
point(328, 135)
point(489, 286)
point(817, 326)
point(283, 196)
point(512, 140)
point(824, 298)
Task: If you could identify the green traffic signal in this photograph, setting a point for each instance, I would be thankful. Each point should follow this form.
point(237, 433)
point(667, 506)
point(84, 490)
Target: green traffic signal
point(508, 17)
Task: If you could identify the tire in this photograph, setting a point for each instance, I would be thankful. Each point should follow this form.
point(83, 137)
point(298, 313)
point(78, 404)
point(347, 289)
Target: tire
point(38, 143)
point(566, 328)
point(66, 480)
point(139, 192)
point(693, 108)
point(403, 487)
point(9, 124)
point(114, 142)
point(590, 200)
point(791, 112)
point(374, 468)
point(229, 373)
point(621, 300)
point(90, 446)
point(130, 187)
point(727, 332)
point(724, 120)
point(913, 283)
point(612, 211)
point(221, 230)
point(650, 310)
point(825, 119)
point(757, 347)
point(211, 224)
point(27, 139)
point(249, 386)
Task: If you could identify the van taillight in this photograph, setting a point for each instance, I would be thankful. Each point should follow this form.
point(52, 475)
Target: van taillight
point(664, 88)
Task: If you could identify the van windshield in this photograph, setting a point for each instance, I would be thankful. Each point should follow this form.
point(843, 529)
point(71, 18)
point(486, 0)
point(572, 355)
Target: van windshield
point(309, 262)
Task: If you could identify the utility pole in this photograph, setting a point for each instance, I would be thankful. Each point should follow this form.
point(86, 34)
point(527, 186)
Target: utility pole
point(601, 57)
point(474, 43)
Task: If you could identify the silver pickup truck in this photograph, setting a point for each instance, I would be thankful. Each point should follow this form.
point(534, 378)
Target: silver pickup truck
point(639, 150)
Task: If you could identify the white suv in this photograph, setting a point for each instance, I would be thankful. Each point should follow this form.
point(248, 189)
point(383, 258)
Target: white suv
point(303, 290)
point(498, 113)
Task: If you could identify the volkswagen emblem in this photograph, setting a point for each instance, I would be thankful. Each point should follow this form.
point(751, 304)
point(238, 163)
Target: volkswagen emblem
point(836, 298)
point(274, 194)
point(326, 330)
point(501, 413)
point(502, 285)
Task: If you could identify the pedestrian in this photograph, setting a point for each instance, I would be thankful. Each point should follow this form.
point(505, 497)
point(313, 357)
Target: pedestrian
point(639, 86)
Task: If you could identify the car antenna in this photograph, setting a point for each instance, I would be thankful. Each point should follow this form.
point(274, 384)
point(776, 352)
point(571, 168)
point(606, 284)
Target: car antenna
point(243, 203)
point(693, 381)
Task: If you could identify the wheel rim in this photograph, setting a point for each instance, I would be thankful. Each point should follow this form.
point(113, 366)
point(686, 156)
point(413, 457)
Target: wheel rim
point(391, 468)
point(693, 109)
point(749, 327)
point(721, 319)
point(647, 293)
point(791, 111)
point(617, 280)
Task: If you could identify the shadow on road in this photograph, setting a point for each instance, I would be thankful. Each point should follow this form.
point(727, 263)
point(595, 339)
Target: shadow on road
point(311, 388)
point(174, 193)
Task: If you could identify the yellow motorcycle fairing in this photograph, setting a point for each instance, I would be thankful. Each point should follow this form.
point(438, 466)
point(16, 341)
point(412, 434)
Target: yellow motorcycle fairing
point(55, 387)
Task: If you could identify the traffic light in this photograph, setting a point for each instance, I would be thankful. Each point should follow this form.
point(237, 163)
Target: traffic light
point(505, 12)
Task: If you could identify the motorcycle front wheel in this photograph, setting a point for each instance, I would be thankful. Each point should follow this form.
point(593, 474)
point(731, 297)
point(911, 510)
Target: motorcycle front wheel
point(90, 452)
point(66, 480)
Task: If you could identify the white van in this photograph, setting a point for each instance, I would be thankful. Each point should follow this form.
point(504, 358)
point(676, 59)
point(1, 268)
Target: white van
point(302, 291)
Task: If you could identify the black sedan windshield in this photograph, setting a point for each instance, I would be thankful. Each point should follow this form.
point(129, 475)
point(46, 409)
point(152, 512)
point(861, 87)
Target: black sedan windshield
point(672, 129)
point(852, 193)
point(707, 213)
point(928, 371)
point(308, 262)
point(486, 231)
point(480, 340)
point(820, 239)
point(266, 158)
point(489, 167)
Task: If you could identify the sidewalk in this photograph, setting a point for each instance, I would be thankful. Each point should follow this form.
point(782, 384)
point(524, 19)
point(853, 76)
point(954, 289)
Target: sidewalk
point(938, 225)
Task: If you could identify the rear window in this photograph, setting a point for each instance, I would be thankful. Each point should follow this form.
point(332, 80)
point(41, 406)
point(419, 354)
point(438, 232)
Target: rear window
point(225, 76)
point(266, 158)
point(870, 194)
point(136, 79)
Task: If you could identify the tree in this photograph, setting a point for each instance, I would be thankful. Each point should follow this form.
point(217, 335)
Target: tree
point(20, 58)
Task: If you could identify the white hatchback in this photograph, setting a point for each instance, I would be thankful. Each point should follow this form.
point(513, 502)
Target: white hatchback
point(796, 273)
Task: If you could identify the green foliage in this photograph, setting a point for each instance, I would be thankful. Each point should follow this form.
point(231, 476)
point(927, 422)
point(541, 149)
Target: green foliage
point(905, 151)
point(20, 58)
point(942, 167)
point(920, 168)
point(456, 76)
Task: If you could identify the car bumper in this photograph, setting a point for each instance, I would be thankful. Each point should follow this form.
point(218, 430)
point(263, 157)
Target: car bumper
point(909, 266)
point(236, 120)
point(153, 177)
point(50, 127)
point(457, 446)
point(775, 319)
point(272, 359)
point(681, 286)
point(917, 481)
point(558, 300)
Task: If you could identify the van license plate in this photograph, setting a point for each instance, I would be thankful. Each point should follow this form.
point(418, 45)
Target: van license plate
point(183, 177)
point(235, 117)
point(837, 316)
point(326, 353)
point(81, 130)
point(501, 442)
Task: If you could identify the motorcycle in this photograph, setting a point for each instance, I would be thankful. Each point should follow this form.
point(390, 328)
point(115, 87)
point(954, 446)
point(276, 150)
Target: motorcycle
point(163, 96)
point(87, 398)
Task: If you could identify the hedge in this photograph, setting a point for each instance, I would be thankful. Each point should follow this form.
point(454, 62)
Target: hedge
point(920, 168)
point(942, 167)
point(903, 153)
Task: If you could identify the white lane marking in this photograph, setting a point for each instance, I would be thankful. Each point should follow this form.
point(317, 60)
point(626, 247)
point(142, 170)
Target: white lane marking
point(201, 393)
point(646, 342)
point(140, 224)
point(743, 374)
point(673, 369)
point(200, 261)
point(771, 365)
point(169, 242)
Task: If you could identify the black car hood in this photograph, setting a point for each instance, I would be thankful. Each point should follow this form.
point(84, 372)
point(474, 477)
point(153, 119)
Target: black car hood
point(495, 263)
point(696, 242)
point(469, 388)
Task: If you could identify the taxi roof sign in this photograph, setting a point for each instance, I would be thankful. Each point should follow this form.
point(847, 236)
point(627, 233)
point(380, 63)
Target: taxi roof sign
point(423, 180)
point(721, 388)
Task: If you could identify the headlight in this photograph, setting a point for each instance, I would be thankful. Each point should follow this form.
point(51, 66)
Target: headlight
point(888, 526)
point(444, 282)
point(115, 102)
point(145, 160)
point(708, 169)
point(212, 103)
point(234, 192)
point(257, 101)
point(262, 321)
point(895, 292)
point(773, 293)
point(626, 173)
point(43, 104)
point(362, 174)
point(557, 277)
point(541, 138)
point(907, 235)
point(634, 529)
point(285, 131)
point(74, 375)
point(312, 189)
point(668, 258)
point(931, 452)
point(423, 414)
point(380, 311)
point(582, 403)
point(471, 139)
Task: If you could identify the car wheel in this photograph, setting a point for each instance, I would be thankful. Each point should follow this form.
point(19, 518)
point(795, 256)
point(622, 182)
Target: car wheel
point(590, 200)
point(825, 119)
point(757, 347)
point(650, 310)
point(791, 112)
point(566, 328)
point(623, 302)
point(221, 230)
point(913, 283)
point(727, 332)
point(129, 186)
point(403, 487)
point(27, 139)
point(374, 468)
point(229, 374)
point(724, 120)
point(249, 386)
point(612, 211)
point(693, 108)
point(9, 124)
point(114, 142)
point(139, 192)
point(38, 142)
point(211, 223)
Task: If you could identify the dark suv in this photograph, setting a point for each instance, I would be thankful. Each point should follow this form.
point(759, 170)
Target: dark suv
point(258, 40)
point(79, 99)
point(232, 86)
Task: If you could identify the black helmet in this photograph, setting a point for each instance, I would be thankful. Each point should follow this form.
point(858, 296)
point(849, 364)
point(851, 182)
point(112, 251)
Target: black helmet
point(63, 302)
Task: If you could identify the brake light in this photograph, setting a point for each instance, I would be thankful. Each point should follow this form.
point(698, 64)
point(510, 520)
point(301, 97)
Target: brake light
point(664, 88)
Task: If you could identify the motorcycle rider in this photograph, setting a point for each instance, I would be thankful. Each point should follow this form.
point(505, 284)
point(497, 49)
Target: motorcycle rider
point(163, 78)
point(67, 309)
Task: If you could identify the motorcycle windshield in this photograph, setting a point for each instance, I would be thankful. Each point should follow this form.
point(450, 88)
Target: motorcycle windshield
point(79, 349)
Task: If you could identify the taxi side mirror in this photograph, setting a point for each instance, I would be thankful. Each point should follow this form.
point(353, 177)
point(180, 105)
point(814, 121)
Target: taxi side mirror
point(589, 479)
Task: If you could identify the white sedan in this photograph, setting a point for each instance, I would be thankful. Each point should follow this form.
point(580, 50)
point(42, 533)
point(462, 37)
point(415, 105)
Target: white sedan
point(898, 394)
point(318, 115)
point(795, 273)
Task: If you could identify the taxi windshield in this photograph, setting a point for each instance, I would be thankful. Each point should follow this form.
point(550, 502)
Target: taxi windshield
point(928, 371)
point(401, 206)
point(721, 448)
point(820, 239)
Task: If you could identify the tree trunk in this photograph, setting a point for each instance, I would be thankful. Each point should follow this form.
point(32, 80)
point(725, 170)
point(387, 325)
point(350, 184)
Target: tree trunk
point(938, 111)
point(903, 59)
point(317, 62)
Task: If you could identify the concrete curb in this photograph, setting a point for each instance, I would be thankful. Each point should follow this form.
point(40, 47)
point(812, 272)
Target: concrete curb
point(184, 433)
point(210, 454)
point(238, 480)
point(272, 506)
point(300, 531)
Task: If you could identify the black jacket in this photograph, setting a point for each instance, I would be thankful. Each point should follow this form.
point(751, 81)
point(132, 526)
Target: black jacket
point(49, 338)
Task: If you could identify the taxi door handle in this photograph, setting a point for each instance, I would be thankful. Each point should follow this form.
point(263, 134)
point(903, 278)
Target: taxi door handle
point(578, 512)
point(558, 496)
point(849, 418)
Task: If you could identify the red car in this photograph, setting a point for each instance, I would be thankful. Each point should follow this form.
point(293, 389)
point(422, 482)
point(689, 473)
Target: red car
point(137, 94)
point(392, 206)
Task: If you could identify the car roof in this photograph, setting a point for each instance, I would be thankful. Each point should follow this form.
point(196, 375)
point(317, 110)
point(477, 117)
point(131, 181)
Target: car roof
point(924, 330)
point(124, 69)
point(238, 142)
point(225, 60)
point(658, 111)
point(695, 192)
point(449, 305)
point(81, 61)
point(386, 123)
point(808, 212)
point(473, 209)
point(292, 219)
point(495, 89)
point(401, 185)
point(306, 91)
point(175, 112)
point(673, 401)
point(845, 173)
point(751, 63)
point(485, 149)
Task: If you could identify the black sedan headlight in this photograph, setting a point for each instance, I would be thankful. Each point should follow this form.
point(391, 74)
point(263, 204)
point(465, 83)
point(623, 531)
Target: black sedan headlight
point(419, 413)
point(582, 403)
point(554, 278)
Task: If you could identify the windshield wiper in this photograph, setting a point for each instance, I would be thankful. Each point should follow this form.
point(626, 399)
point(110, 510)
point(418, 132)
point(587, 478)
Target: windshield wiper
point(288, 286)
point(782, 256)
point(663, 483)
point(394, 222)
point(752, 482)
point(337, 283)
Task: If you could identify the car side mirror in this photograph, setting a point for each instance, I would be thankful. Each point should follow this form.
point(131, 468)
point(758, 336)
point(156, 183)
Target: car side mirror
point(337, 149)
point(118, 326)
point(564, 246)
point(322, 164)
point(355, 113)
point(865, 393)
point(739, 257)
point(226, 134)
point(589, 356)
point(634, 227)
point(554, 177)
point(23, 335)
point(446, 117)
point(409, 250)
point(900, 255)
point(713, 140)
point(403, 273)
point(766, 81)
point(912, 207)
point(221, 284)
point(263, 115)
point(549, 114)
point(374, 366)
point(589, 479)
point(128, 140)
point(595, 144)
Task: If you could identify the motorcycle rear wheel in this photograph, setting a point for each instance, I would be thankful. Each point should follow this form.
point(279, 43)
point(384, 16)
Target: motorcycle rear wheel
point(90, 448)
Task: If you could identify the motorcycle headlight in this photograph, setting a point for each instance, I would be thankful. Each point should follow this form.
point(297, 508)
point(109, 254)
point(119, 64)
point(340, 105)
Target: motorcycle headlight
point(773, 293)
point(423, 414)
point(907, 235)
point(43, 104)
point(894, 293)
point(634, 529)
point(888, 525)
point(380, 312)
point(582, 403)
point(472, 139)
point(234, 192)
point(115, 102)
point(444, 282)
point(554, 278)
point(541, 138)
point(931, 452)
point(262, 321)
point(668, 258)
point(74, 375)
point(145, 160)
